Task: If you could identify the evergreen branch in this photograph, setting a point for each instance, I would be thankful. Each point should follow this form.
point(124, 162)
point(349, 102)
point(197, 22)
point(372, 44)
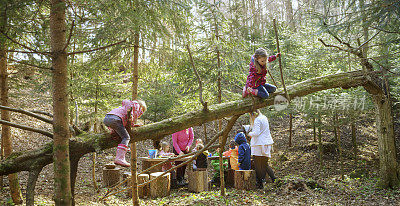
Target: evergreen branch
point(32, 65)
point(27, 113)
point(23, 52)
point(46, 133)
point(96, 49)
point(386, 31)
point(24, 46)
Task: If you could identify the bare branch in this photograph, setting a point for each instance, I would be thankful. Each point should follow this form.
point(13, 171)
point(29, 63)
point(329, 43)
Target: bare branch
point(338, 39)
point(334, 46)
point(42, 112)
point(70, 35)
point(24, 46)
point(27, 113)
point(46, 133)
point(92, 50)
point(198, 79)
point(366, 42)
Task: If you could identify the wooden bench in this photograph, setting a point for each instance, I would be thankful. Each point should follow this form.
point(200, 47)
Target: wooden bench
point(245, 179)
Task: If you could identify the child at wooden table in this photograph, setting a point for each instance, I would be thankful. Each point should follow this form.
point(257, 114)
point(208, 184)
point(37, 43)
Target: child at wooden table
point(244, 151)
point(165, 152)
point(201, 160)
point(233, 155)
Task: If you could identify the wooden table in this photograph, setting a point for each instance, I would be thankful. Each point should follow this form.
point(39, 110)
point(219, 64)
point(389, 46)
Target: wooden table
point(148, 162)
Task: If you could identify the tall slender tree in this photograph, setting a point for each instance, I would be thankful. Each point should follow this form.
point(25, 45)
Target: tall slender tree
point(62, 182)
point(5, 115)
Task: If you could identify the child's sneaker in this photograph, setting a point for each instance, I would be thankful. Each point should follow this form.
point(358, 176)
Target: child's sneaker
point(252, 91)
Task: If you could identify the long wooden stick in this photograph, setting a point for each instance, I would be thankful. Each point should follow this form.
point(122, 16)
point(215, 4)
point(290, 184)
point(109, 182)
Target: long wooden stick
point(280, 61)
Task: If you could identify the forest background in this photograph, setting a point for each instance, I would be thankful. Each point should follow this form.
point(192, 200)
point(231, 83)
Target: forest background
point(317, 38)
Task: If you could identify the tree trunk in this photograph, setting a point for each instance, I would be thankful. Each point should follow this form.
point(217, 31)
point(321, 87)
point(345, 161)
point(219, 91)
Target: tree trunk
point(62, 183)
point(354, 139)
point(339, 146)
point(314, 129)
point(30, 190)
point(289, 14)
point(290, 129)
point(389, 171)
point(135, 83)
point(87, 142)
point(320, 153)
point(5, 114)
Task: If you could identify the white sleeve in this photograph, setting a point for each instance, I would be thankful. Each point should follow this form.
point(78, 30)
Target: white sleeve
point(256, 131)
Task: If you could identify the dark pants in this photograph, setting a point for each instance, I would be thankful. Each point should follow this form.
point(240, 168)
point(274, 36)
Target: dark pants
point(262, 167)
point(265, 90)
point(115, 123)
point(180, 172)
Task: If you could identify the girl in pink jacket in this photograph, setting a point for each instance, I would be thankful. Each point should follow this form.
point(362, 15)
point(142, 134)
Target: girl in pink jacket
point(256, 80)
point(117, 119)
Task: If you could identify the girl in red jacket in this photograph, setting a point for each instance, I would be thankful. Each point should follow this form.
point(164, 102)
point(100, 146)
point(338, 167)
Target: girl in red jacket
point(256, 80)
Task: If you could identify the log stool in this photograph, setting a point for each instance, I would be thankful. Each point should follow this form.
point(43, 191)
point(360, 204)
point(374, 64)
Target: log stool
point(161, 186)
point(245, 179)
point(230, 178)
point(111, 175)
point(198, 180)
point(142, 191)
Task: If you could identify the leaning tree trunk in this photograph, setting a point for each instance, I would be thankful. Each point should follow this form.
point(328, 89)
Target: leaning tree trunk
point(5, 115)
point(62, 183)
point(87, 143)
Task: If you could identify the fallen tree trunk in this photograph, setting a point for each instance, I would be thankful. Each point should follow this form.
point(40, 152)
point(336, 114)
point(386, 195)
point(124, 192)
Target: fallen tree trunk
point(87, 142)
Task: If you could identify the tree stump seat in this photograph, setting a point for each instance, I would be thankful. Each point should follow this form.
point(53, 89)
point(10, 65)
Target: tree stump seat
point(198, 180)
point(160, 187)
point(144, 191)
point(245, 179)
point(111, 175)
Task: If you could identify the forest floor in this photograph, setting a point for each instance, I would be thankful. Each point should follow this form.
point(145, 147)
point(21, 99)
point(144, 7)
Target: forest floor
point(323, 184)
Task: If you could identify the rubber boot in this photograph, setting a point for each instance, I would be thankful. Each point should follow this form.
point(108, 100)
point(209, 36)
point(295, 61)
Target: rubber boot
point(120, 156)
point(245, 92)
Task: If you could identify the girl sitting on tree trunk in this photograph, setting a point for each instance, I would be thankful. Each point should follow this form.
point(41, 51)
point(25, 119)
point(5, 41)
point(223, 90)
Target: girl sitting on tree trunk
point(117, 119)
point(256, 80)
